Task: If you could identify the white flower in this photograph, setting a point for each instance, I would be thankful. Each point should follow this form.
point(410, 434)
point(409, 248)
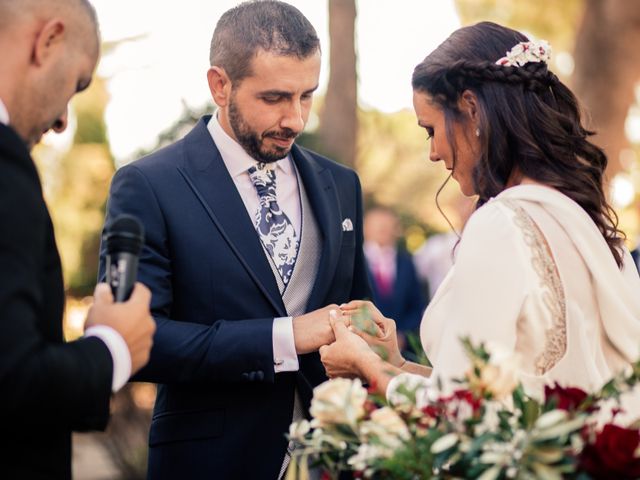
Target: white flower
point(297, 430)
point(366, 455)
point(490, 421)
point(405, 386)
point(500, 376)
point(338, 401)
point(386, 427)
point(526, 52)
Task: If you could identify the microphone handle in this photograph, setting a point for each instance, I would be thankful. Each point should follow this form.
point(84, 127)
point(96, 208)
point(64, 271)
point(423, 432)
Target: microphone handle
point(122, 270)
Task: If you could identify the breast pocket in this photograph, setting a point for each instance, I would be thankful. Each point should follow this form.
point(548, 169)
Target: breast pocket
point(349, 239)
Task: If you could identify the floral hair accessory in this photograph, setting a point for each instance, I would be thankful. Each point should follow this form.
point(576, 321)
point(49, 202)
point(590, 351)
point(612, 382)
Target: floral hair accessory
point(526, 52)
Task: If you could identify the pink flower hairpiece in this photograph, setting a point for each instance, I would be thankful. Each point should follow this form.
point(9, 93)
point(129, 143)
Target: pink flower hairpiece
point(526, 52)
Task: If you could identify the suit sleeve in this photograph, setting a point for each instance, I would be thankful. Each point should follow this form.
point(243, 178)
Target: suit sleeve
point(184, 350)
point(361, 289)
point(414, 302)
point(42, 381)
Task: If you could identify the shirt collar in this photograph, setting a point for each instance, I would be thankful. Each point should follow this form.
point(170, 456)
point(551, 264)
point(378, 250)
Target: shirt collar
point(4, 113)
point(236, 159)
point(375, 250)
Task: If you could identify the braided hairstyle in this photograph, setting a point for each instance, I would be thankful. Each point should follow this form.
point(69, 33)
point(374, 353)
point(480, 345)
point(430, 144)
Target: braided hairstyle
point(529, 121)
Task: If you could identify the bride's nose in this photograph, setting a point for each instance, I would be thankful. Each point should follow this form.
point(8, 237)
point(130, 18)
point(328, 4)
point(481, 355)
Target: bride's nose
point(433, 154)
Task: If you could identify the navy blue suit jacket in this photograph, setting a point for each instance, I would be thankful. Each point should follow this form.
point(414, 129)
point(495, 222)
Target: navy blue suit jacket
point(406, 303)
point(221, 411)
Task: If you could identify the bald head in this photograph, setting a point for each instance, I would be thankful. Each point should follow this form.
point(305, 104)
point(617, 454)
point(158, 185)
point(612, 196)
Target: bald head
point(79, 15)
point(15, 10)
point(51, 48)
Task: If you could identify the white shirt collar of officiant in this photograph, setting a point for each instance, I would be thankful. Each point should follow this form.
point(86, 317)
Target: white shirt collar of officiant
point(4, 113)
point(236, 159)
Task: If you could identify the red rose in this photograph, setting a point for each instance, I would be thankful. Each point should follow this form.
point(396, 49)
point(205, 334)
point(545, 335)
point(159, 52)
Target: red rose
point(565, 398)
point(470, 398)
point(433, 411)
point(612, 455)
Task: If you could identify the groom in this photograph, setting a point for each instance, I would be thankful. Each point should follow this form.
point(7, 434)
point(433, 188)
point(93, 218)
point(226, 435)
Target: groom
point(246, 233)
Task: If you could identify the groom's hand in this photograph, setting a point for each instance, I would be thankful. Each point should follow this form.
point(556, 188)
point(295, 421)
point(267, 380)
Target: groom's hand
point(313, 330)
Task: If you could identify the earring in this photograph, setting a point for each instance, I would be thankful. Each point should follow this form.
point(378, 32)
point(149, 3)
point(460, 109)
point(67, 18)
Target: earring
point(477, 132)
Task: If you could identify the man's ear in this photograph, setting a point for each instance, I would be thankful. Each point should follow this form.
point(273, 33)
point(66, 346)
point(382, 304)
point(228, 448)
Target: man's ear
point(468, 104)
point(48, 39)
point(219, 85)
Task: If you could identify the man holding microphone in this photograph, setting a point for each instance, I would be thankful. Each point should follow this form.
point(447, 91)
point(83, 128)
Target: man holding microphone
point(49, 388)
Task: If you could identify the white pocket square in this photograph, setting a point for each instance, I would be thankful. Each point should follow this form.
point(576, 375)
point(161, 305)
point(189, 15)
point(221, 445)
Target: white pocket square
point(347, 225)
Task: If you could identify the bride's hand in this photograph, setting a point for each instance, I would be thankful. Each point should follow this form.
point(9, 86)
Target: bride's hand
point(343, 357)
point(382, 337)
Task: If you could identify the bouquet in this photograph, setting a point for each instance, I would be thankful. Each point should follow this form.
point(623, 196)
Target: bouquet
point(488, 428)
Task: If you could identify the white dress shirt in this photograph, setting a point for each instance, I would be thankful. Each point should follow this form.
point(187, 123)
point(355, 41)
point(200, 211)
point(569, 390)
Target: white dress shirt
point(4, 113)
point(238, 161)
point(381, 260)
point(112, 339)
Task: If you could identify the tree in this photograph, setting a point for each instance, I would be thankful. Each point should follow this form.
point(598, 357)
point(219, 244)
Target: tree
point(607, 69)
point(338, 120)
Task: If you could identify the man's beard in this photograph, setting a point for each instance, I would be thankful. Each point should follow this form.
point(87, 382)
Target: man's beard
point(252, 142)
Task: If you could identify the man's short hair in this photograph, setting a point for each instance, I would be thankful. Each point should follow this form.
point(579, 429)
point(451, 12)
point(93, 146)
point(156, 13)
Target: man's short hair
point(269, 25)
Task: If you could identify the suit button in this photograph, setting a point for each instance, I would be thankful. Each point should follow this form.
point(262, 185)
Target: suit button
point(259, 375)
point(246, 377)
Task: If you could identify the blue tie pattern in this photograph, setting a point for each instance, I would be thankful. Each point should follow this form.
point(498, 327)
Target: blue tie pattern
point(274, 227)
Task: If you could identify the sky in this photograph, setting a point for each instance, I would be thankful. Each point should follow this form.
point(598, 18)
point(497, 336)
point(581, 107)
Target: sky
point(150, 79)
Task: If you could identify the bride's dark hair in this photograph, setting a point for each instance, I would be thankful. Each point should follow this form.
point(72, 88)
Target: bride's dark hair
point(529, 121)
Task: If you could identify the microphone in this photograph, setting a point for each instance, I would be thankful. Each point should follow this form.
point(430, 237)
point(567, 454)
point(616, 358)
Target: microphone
point(123, 240)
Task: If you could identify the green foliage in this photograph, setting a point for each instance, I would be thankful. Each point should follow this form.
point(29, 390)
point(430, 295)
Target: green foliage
point(76, 184)
point(553, 20)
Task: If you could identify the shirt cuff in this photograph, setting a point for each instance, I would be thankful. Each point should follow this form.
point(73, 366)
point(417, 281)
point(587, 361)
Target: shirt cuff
point(285, 358)
point(119, 353)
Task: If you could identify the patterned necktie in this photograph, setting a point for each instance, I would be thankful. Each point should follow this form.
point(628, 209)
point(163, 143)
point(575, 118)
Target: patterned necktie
point(274, 227)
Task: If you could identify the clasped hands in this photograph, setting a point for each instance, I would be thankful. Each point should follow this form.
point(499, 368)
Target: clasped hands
point(344, 345)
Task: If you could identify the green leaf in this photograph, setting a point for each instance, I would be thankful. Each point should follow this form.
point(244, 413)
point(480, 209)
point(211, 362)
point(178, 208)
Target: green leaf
point(491, 474)
point(444, 443)
point(544, 472)
point(560, 430)
point(548, 455)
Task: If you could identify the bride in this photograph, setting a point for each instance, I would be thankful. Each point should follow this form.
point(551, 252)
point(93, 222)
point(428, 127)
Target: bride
point(541, 269)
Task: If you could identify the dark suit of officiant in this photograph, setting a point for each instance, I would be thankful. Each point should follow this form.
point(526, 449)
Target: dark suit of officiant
point(221, 411)
point(47, 387)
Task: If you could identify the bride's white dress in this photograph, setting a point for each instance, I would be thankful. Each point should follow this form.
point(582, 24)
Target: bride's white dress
point(534, 275)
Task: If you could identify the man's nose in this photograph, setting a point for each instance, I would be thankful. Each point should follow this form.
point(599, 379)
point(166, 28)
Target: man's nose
point(292, 118)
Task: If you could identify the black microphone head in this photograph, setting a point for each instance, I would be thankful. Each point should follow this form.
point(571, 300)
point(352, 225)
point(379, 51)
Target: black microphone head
point(124, 234)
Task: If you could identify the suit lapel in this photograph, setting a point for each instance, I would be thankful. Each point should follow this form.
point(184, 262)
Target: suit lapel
point(321, 190)
point(207, 176)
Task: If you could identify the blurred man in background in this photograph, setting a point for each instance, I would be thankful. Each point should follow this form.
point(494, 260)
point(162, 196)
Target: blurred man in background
point(48, 387)
point(396, 289)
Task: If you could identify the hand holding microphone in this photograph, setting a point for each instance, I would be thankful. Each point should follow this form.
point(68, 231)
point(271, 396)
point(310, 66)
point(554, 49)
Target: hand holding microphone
point(121, 303)
point(123, 238)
